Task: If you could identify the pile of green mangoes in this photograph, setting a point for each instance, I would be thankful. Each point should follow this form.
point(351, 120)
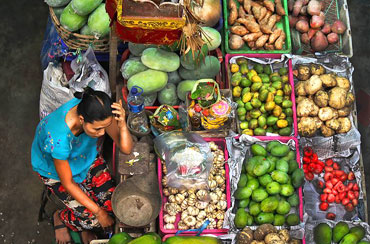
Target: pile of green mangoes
point(267, 186)
point(263, 98)
point(341, 233)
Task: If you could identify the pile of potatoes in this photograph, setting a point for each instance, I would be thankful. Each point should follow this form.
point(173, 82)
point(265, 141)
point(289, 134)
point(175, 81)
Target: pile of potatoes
point(254, 23)
point(324, 101)
point(265, 234)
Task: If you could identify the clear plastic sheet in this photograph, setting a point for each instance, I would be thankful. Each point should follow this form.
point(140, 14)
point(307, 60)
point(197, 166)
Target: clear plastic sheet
point(239, 149)
point(88, 72)
point(188, 159)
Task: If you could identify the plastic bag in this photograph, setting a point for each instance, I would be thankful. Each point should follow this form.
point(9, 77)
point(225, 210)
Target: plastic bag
point(188, 159)
point(88, 72)
point(54, 92)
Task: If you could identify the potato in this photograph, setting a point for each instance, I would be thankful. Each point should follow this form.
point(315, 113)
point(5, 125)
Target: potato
point(332, 124)
point(295, 241)
point(307, 126)
point(313, 85)
point(327, 113)
point(263, 230)
point(235, 42)
point(284, 235)
point(317, 69)
point(328, 80)
point(344, 112)
point(344, 125)
point(326, 131)
point(272, 237)
point(306, 107)
point(337, 97)
point(299, 99)
point(321, 99)
point(303, 72)
point(299, 89)
point(350, 99)
point(257, 242)
point(245, 236)
point(343, 82)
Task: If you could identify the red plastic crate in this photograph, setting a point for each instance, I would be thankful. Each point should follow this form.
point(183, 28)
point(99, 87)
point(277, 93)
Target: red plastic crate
point(290, 74)
point(221, 142)
point(219, 80)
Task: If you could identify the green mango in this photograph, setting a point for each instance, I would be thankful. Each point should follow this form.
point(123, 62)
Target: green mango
point(293, 200)
point(259, 132)
point(293, 165)
point(280, 151)
point(254, 208)
point(265, 218)
point(272, 160)
point(339, 231)
point(293, 219)
point(297, 178)
point(322, 234)
point(261, 168)
point(245, 83)
point(259, 194)
point(120, 238)
point(241, 218)
point(242, 181)
point(253, 184)
point(248, 106)
point(286, 190)
point(287, 104)
point(285, 131)
point(279, 220)
point(283, 207)
point(273, 188)
point(349, 239)
point(258, 150)
point(282, 165)
point(279, 176)
point(283, 71)
point(272, 144)
point(269, 205)
point(243, 193)
point(264, 180)
point(243, 203)
point(291, 155)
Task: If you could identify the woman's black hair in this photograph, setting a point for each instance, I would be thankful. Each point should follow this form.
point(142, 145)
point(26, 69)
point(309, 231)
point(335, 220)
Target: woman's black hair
point(94, 105)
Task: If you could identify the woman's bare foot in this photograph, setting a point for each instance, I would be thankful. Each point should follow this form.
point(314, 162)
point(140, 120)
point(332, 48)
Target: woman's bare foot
point(87, 236)
point(61, 231)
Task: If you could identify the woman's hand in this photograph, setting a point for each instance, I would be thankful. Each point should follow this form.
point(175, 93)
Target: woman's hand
point(104, 219)
point(120, 114)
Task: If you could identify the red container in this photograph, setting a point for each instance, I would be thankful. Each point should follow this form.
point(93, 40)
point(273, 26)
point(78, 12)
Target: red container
point(290, 74)
point(221, 83)
point(221, 142)
point(285, 139)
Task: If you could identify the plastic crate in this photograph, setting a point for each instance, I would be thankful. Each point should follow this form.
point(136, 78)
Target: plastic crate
point(219, 79)
point(221, 142)
point(291, 81)
point(285, 139)
point(283, 24)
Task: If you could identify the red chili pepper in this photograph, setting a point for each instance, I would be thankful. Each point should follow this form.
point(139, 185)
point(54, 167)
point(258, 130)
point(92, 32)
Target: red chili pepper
point(323, 197)
point(349, 207)
point(355, 187)
point(314, 158)
point(307, 151)
point(329, 162)
point(324, 206)
point(306, 160)
point(330, 216)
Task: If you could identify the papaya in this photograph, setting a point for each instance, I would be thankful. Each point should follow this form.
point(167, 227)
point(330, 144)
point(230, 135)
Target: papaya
point(208, 68)
point(70, 20)
point(322, 234)
point(174, 77)
point(99, 21)
point(131, 67)
point(168, 95)
point(85, 7)
point(147, 238)
point(159, 59)
point(150, 80)
point(137, 48)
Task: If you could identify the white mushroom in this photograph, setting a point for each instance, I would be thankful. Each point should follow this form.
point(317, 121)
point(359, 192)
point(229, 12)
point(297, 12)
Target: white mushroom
point(169, 226)
point(169, 219)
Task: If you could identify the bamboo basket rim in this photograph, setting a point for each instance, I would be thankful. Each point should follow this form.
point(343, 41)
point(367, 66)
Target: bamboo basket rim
point(77, 40)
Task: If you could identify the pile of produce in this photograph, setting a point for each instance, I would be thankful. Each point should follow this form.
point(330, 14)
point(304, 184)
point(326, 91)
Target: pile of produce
point(338, 186)
point(308, 17)
point(88, 17)
point(255, 23)
point(267, 187)
point(124, 238)
point(166, 75)
point(192, 240)
point(341, 233)
point(194, 207)
point(263, 98)
point(265, 234)
point(324, 101)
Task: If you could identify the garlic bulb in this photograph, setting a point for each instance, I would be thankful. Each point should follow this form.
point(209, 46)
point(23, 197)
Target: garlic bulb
point(223, 197)
point(179, 198)
point(191, 191)
point(192, 201)
point(212, 184)
point(202, 194)
point(181, 225)
point(223, 187)
point(213, 146)
point(210, 208)
point(184, 193)
point(220, 215)
point(169, 219)
point(178, 208)
point(166, 192)
point(212, 223)
point(173, 191)
point(201, 205)
point(220, 224)
point(190, 221)
point(164, 169)
point(198, 224)
point(184, 214)
point(172, 199)
point(171, 208)
point(193, 211)
point(192, 196)
point(164, 181)
point(214, 197)
point(201, 215)
point(184, 204)
point(221, 205)
point(220, 179)
point(218, 192)
point(169, 226)
point(223, 172)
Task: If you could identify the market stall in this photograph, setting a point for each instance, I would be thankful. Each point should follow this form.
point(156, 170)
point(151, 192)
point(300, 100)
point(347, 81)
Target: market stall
point(243, 115)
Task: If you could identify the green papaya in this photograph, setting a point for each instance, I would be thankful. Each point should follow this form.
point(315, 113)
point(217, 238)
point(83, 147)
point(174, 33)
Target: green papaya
point(159, 59)
point(147, 238)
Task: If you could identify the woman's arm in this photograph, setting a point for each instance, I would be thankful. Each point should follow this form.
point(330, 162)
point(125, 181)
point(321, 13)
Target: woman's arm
point(65, 175)
point(118, 130)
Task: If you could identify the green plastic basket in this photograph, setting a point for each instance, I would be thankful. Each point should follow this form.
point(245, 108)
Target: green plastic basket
point(283, 24)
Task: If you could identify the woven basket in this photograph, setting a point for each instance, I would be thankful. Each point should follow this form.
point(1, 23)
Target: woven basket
point(75, 40)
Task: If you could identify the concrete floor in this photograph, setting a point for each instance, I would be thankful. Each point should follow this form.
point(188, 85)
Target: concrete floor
point(21, 34)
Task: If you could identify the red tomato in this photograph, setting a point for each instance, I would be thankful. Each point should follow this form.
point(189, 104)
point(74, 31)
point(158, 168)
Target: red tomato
point(354, 202)
point(331, 198)
point(306, 160)
point(324, 206)
point(334, 181)
point(328, 169)
point(345, 201)
point(307, 151)
point(344, 177)
point(351, 176)
point(336, 166)
point(337, 199)
point(321, 163)
point(328, 176)
point(323, 197)
point(329, 185)
point(327, 191)
point(350, 186)
point(309, 176)
point(334, 192)
point(349, 207)
point(342, 195)
point(330, 216)
point(318, 169)
point(314, 158)
point(329, 162)
point(357, 194)
point(351, 195)
point(355, 187)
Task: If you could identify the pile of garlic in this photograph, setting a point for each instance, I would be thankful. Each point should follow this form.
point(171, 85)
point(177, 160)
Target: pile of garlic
point(197, 206)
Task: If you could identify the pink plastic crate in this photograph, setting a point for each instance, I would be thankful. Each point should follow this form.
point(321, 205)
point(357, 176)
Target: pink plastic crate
point(290, 74)
point(285, 139)
point(221, 142)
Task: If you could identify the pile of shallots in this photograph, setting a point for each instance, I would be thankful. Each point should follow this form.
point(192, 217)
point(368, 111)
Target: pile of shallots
point(307, 17)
